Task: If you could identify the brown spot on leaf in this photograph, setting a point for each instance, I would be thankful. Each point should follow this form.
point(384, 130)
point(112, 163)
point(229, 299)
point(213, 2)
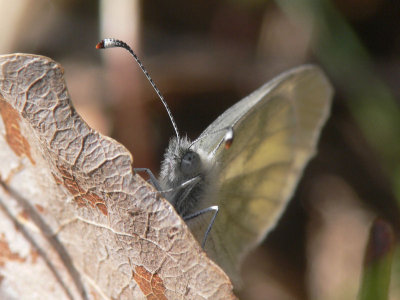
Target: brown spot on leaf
point(94, 295)
point(151, 285)
point(6, 254)
point(17, 142)
point(102, 208)
point(34, 255)
point(39, 208)
point(23, 215)
point(82, 197)
point(56, 178)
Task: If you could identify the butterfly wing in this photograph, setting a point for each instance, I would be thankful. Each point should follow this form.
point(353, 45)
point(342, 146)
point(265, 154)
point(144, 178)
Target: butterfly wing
point(276, 129)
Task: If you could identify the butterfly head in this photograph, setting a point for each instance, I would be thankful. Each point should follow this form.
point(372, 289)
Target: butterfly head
point(184, 170)
point(181, 162)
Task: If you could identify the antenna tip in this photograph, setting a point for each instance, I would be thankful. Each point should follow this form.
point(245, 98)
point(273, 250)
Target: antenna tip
point(109, 43)
point(100, 45)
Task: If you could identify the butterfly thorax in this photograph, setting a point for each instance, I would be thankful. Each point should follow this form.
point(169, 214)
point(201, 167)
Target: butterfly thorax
point(185, 172)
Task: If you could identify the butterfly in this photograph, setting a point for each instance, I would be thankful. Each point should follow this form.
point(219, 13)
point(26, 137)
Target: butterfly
point(270, 136)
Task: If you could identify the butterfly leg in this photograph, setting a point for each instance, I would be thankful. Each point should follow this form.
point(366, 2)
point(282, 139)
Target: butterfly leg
point(189, 184)
point(153, 179)
point(214, 209)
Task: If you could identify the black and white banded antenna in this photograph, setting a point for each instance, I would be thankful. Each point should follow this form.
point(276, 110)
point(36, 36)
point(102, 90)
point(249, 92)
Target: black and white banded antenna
point(111, 43)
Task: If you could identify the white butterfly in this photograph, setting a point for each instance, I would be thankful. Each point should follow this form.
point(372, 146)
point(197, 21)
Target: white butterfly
point(275, 129)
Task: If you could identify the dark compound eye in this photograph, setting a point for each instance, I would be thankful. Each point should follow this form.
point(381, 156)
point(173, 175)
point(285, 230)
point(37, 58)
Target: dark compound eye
point(190, 163)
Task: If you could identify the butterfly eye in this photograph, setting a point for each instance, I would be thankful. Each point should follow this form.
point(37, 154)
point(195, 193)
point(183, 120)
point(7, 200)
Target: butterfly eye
point(190, 163)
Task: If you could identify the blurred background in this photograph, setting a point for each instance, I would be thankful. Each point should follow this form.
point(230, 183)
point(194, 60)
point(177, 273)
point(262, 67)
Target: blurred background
point(206, 55)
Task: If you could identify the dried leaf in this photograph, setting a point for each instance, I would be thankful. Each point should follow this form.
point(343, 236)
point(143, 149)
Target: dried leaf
point(74, 220)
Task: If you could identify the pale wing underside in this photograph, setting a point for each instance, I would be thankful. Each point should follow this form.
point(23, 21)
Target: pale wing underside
point(276, 130)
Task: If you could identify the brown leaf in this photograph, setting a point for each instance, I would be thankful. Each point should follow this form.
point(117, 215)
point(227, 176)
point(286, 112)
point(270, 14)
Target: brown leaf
point(75, 223)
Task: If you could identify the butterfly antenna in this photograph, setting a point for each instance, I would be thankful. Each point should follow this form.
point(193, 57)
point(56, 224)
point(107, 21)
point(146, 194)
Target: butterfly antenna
point(111, 43)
